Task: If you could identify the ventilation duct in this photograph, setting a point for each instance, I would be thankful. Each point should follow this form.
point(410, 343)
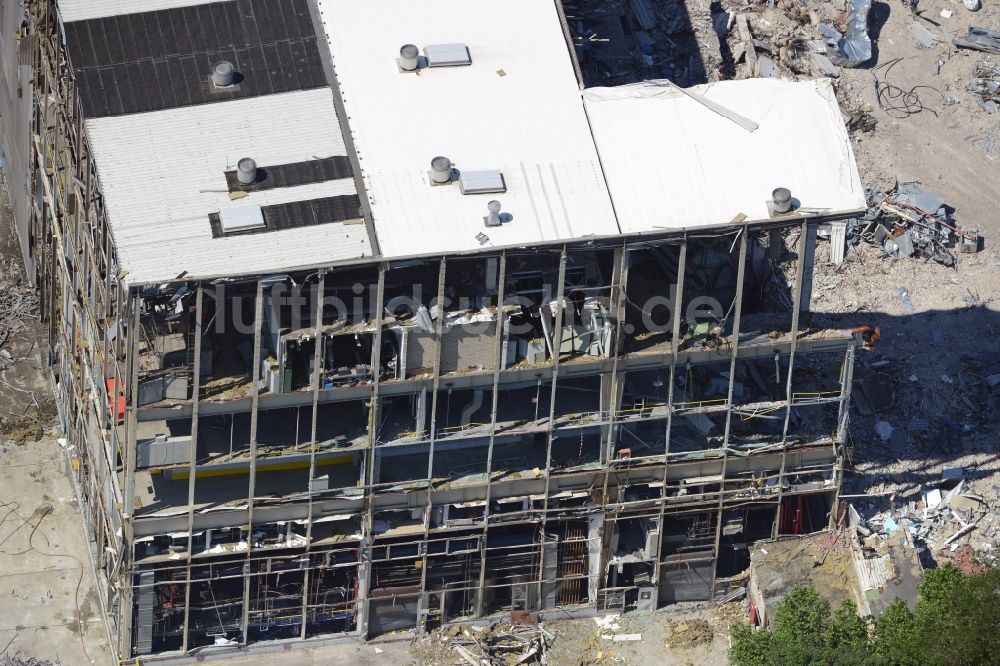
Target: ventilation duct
point(440, 170)
point(409, 57)
point(781, 200)
point(493, 219)
point(246, 171)
point(223, 74)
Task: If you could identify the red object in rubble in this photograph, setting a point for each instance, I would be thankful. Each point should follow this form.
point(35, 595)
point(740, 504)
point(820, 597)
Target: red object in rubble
point(109, 384)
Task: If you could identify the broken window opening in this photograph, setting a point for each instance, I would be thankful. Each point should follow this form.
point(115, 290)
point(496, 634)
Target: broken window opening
point(650, 298)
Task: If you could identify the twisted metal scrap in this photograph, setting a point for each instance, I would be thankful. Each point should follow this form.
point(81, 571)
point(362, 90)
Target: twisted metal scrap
point(18, 304)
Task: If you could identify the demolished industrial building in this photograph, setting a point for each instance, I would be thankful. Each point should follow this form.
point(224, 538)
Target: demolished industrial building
point(368, 316)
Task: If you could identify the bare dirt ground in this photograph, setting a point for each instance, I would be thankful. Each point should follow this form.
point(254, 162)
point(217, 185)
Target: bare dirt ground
point(940, 355)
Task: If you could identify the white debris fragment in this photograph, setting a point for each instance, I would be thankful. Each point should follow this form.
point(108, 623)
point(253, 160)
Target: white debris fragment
point(608, 621)
point(884, 430)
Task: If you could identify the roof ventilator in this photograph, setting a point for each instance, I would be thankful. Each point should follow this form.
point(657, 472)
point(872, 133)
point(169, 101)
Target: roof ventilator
point(447, 55)
point(493, 219)
point(223, 74)
point(409, 58)
point(246, 171)
point(441, 170)
point(482, 182)
point(781, 202)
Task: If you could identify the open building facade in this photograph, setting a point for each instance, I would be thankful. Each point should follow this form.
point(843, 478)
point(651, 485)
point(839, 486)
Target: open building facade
point(315, 386)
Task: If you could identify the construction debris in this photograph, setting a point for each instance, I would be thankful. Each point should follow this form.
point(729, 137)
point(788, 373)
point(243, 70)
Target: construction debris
point(625, 41)
point(985, 88)
point(22, 660)
point(908, 222)
point(484, 645)
point(979, 39)
point(943, 522)
point(854, 48)
point(18, 304)
point(923, 36)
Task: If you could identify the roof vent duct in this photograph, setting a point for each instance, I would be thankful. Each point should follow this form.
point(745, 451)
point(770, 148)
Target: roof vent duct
point(223, 74)
point(440, 170)
point(246, 171)
point(781, 200)
point(409, 57)
point(493, 219)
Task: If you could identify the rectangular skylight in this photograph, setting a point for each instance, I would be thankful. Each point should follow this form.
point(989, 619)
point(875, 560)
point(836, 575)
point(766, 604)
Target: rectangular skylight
point(447, 55)
point(241, 218)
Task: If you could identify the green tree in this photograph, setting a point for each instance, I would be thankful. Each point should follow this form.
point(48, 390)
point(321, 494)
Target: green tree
point(896, 635)
point(846, 630)
point(958, 617)
point(956, 622)
point(800, 618)
point(806, 632)
point(750, 648)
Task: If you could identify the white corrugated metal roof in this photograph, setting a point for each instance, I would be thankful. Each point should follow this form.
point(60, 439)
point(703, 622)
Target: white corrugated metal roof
point(671, 162)
point(516, 108)
point(79, 10)
point(163, 173)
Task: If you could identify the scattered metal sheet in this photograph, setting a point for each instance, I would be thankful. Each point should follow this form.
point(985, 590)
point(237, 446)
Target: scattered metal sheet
point(910, 222)
point(854, 48)
point(979, 39)
point(923, 36)
point(985, 88)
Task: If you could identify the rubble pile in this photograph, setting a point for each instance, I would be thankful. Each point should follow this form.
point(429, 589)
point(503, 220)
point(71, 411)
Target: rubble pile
point(688, 634)
point(624, 41)
point(948, 521)
point(496, 645)
point(18, 304)
point(800, 40)
point(22, 660)
point(985, 88)
point(908, 222)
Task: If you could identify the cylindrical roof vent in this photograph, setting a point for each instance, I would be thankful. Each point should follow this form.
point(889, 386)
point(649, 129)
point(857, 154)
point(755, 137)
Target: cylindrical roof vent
point(246, 171)
point(223, 74)
point(781, 200)
point(493, 219)
point(441, 170)
point(408, 57)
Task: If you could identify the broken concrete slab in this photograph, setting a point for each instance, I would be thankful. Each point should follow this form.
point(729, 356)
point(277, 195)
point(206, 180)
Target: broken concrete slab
point(767, 68)
point(923, 36)
point(823, 65)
